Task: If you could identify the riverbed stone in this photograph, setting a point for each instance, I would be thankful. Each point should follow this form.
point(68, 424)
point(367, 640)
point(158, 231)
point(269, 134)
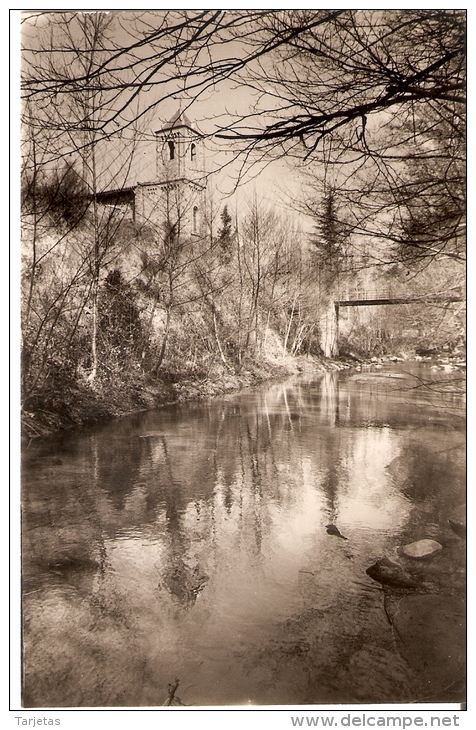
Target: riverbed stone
point(430, 631)
point(421, 549)
point(457, 520)
point(386, 572)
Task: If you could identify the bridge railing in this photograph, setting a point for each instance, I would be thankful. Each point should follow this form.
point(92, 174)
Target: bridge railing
point(396, 293)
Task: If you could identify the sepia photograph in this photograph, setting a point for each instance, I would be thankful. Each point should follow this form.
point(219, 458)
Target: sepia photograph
point(243, 360)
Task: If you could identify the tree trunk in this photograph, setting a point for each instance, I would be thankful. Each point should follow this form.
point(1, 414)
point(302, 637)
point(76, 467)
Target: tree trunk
point(164, 342)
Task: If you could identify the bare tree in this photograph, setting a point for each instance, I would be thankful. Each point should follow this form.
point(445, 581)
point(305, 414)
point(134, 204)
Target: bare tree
point(62, 134)
point(337, 69)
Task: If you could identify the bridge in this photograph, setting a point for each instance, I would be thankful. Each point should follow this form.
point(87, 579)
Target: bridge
point(330, 322)
point(369, 299)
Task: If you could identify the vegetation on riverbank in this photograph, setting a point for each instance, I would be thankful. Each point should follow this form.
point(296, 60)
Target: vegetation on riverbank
point(175, 318)
point(178, 319)
point(172, 317)
point(79, 404)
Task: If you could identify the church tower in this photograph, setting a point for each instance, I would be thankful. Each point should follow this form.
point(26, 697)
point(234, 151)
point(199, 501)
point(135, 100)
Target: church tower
point(180, 163)
point(179, 150)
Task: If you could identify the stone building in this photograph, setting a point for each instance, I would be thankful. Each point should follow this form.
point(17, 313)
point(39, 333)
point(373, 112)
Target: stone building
point(176, 198)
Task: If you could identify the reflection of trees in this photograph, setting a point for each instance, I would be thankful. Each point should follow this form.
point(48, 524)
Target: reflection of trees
point(269, 444)
point(332, 477)
point(181, 579)
point(229, 465)
point(227, 503)
point(59, 543)
point(430, 474)
point(330, 397)
point(230, 447)
point(118, 467)
point(256, 446)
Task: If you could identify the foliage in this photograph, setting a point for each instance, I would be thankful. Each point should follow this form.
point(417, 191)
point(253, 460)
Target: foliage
point(121, 332)
point(329, 243)
point(225, 235)
point(61, 196)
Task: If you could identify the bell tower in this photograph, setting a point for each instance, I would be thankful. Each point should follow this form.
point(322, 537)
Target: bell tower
point(176, 198)
point(181, 176)
point(179, 151)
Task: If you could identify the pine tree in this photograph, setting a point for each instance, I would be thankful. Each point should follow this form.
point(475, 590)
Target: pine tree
point(225, 236)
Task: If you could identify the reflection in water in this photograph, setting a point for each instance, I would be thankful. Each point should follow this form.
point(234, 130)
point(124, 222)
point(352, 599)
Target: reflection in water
point(191, 542)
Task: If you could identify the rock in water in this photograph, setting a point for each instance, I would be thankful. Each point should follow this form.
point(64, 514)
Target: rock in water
point(458, 521)
point(389, 573)
point(332, 530)
point(421, 549)
point(458, 529)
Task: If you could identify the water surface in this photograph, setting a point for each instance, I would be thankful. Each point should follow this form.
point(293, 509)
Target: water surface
point(190, 544)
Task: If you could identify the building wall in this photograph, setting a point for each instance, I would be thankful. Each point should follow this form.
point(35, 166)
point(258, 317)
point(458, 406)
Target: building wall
point(179, 203)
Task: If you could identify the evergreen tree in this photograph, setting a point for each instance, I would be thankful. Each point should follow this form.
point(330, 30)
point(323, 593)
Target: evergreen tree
point(225, 236)
point(329, 240)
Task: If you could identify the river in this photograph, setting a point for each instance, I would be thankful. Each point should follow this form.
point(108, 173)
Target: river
point(181, 555)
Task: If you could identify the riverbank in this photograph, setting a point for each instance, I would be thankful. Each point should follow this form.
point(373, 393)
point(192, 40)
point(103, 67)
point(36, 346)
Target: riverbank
point(83, 403)
point(80, 402)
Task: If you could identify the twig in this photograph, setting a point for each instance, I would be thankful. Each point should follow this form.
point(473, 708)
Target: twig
point(172, 690)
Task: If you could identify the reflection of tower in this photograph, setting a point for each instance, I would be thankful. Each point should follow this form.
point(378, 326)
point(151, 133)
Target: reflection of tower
point(180, 161)
point(331, 437)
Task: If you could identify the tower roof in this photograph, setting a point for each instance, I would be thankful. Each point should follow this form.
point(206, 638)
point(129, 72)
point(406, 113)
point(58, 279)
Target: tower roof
point(179, 119)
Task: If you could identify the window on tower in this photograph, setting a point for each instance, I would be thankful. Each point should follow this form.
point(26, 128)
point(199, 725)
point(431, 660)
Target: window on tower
point(195, 218)
point(193, 152)
point(171, 150)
